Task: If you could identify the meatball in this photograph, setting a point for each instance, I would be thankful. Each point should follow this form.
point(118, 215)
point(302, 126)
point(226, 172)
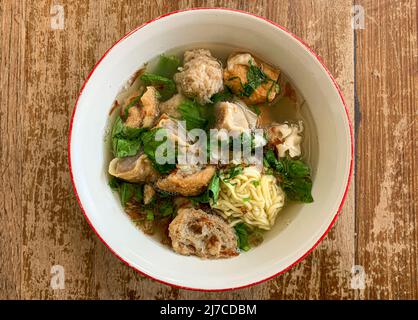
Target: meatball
point(201, 76)
point(236, 78)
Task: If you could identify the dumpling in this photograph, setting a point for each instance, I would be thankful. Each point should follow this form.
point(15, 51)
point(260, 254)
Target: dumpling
point(133, 169)
point(236, 118)
point(286, 138)
point(201, 76)
point(176, 132)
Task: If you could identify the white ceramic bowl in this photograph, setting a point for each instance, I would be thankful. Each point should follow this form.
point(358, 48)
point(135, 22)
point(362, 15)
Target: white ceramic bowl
point(301, 228)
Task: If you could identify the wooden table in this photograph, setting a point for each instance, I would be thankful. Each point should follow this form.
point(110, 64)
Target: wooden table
point(43, 65)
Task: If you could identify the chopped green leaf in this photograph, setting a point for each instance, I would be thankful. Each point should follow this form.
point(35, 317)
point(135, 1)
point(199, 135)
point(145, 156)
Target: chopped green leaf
point(273, 162)
point(214, 188)
point(150, 146)
point(163, 194)
point(275, 86)
point(255, 77)
point(166, 208)
point(224, 95)
point(211, 193)
point(232, 173)
point(165, 86)
point(150, 214)
point(294, 176)
point(256, 183)
point(139, 193)
point(257, 110)
point(126, 148)
point(297, 169)
point(242, 232)
point(298, 189)
point(127, 191)
point(134, 102)
point(125, 140)
point(114, 183)
point(167, 66)
point(191, 112)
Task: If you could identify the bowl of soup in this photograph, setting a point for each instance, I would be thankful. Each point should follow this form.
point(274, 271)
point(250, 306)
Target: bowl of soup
point(210, 149)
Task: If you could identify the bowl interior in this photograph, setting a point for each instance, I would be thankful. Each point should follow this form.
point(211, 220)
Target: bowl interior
point(295, 233)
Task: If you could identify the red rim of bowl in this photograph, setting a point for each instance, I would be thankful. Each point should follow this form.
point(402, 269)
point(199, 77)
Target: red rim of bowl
point(336, 87)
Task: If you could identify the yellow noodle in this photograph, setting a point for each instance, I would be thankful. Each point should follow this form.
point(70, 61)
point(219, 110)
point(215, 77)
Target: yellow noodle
point(242, 201)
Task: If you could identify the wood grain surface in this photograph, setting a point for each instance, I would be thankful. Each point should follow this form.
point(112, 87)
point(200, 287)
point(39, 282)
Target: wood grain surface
point(41, 225)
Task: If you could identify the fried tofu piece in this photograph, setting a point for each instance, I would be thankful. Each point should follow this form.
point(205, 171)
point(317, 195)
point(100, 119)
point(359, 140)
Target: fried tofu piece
point(236, 77)
point(186, 185)
point(144, 114)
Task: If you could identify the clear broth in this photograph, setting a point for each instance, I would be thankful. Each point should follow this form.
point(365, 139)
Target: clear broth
point(289, 107)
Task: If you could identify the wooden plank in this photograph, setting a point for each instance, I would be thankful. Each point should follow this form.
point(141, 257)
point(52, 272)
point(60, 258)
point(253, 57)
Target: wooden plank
point(326, 272)
point(387, 69)
point(11, 86)
point(55, 232)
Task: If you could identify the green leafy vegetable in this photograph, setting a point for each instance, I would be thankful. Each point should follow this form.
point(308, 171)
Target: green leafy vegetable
point(150, 146)
point(298, 189)
point(166, 208)
point(273, 162)
point(294, 175)
point(297, 169)
point(127, 191)
point(165, 86)
point(255, 77)
point(225, 95)
point(163, 194)
point(167, 66)
point(114, 183)
point(211, 193)
point(191, 112)
point(247, 237)
point(125, 140)
point(257, 110)
point(134, 102)
point(232, 173)
point(242, 232)
point(275, 86)
point(150, 214)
